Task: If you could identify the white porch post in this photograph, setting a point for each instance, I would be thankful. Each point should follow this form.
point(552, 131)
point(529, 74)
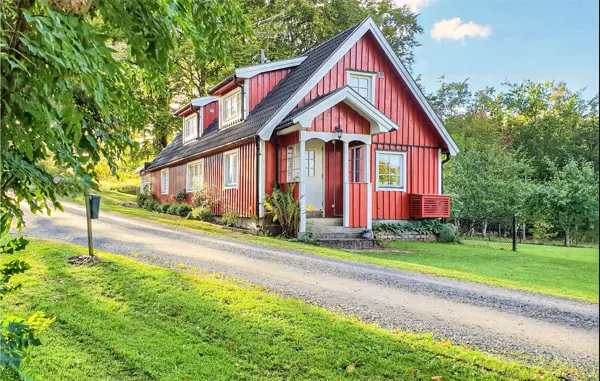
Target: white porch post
point(369, 186)
point(302, 186)
point(346, 186)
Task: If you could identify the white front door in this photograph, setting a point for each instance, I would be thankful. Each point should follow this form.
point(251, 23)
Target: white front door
point(313, 162)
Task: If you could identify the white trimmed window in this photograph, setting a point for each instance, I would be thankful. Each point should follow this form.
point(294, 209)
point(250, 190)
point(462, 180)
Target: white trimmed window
point(231, 108)
point(357, 164)
point(293, 164)
point(362, 83)
point(190, 129)
point(164, 181)
point(391, 170)
point(145, 182)
point(230, 169)
point(194, 176)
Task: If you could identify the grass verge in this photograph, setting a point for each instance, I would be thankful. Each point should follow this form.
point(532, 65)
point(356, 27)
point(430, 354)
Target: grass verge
point(552, 270)
point(123, 320)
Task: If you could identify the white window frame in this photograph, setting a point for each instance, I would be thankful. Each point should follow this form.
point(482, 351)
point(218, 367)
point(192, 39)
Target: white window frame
point(145, 180)
point(238, 117)
point(164, 188)
point(189, 186)
point(292, 164)
point(365, 75)
point(354, 164)
point(393, 188)
point(227, 185)
point(194, 135)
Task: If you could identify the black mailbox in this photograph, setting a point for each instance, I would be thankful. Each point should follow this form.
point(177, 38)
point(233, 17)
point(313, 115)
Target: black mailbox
point(94, 206)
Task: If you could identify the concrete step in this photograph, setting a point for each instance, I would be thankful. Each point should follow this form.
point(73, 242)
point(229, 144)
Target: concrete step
point(350, 243)
point(336, 235)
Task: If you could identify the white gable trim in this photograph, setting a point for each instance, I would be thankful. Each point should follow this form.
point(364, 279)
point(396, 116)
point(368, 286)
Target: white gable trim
point(203, 101)
point(380, 123)
point(251, 71)
point(367, 25)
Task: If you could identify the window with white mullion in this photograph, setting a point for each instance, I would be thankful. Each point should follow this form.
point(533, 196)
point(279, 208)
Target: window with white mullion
point(362, 83)
point(391, 171)
point(164, 181)
point(293, 164)
point(230, 169)
point(195, 176)
point(232, 108)
point(190, 129)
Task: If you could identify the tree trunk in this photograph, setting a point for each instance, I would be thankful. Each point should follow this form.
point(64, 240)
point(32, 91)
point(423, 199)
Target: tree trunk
point(485, 224)
point(567, 238)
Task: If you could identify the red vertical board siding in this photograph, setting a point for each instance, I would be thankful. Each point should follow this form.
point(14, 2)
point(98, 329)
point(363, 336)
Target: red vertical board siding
point(261, 84)
point(415, 132)
point(358, 205)
point(241, 199)
point(208, 116)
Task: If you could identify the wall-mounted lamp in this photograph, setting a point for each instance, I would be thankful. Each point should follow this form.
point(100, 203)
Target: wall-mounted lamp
point(339, 131)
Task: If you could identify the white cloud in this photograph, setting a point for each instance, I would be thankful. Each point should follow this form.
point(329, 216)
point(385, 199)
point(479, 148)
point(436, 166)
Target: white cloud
point(415, 5)
point(454, 29)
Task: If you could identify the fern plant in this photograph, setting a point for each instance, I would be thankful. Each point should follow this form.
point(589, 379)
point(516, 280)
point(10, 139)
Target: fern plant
point(282, 208)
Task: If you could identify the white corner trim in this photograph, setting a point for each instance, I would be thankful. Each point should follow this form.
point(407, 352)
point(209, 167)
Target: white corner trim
point(380, 123)
point(203, 101)
point(251, 71)
point(161, 181)
point(346, 218)
point(404, 167)
point(367, 25)
point(225, 154)
point(365, 74)
point(261, 179)
point(440, 177)
point(189, 189)
point(302, 188)
point(246, 98)
point(369, 186)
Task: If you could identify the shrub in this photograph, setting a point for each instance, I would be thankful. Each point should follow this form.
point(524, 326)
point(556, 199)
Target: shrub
point(230, 218)
point(280, 207)
point(129, 187)
point(164, 208)
point(446, 234)
point(144, 197)
point(202, 214)
point(183, 210)
point(202, 199)
point(172, 209)
point(180, 195)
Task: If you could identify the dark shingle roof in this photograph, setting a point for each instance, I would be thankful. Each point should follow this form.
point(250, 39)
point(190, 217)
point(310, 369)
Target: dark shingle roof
point(271, 103)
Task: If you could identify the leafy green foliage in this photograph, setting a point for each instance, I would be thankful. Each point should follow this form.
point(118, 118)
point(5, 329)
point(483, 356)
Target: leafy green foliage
point(172, 209)
point(9, 270)
point(282, 208)
point(183, 210)
point(230, 218)
point(162, 208)
point(202, 213)
point(180, 195)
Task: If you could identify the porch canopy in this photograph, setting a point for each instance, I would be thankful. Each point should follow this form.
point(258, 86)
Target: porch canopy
point(314, 121)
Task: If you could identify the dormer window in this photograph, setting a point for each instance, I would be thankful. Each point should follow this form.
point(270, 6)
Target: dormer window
point(190, 129)
point(231, 106)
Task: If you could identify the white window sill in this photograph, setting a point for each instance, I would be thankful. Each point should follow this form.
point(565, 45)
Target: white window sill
point(230, 186)
point(390, 189)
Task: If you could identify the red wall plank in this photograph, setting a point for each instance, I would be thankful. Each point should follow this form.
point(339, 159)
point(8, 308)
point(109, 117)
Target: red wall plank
point(261, 84)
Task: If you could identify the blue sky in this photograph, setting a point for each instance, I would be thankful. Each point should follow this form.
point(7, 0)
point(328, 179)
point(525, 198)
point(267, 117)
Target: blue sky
point(508, 39)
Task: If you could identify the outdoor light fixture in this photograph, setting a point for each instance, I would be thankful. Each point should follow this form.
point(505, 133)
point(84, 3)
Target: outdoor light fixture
point(339, 131)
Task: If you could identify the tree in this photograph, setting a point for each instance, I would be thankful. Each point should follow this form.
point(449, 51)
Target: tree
point(570, 199)
point(70, 92)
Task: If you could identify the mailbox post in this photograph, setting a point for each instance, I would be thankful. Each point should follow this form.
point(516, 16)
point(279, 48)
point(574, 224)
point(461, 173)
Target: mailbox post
point(92, 209)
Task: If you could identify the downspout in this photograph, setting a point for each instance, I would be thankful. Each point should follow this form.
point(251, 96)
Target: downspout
point(447, 159)
point(241, 86)
point(257, 144)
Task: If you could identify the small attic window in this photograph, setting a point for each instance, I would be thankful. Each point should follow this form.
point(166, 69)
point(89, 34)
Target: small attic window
point(231, 106)
point(190, 130)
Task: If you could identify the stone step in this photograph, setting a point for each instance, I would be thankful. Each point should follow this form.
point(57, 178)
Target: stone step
point(336, 235)
point(349, 243)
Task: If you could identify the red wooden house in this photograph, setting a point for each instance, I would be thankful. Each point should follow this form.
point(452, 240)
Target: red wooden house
point(345, 121)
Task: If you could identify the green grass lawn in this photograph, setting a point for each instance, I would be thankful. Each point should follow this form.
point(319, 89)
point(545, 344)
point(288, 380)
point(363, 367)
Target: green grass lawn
point(553, 270)
point(123, 320)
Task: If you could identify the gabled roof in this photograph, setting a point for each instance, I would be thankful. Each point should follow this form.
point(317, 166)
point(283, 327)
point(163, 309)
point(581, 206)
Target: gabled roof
point(380, 123)
point(215, 137)
point(283, 98)
point(251, 71)
point(368, 25)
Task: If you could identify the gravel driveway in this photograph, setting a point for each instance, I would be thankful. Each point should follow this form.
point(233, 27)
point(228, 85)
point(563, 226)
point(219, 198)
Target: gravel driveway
point(490, 318)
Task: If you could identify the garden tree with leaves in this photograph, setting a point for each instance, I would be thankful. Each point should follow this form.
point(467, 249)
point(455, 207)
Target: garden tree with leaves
point(569, 200)
point(71, 71)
